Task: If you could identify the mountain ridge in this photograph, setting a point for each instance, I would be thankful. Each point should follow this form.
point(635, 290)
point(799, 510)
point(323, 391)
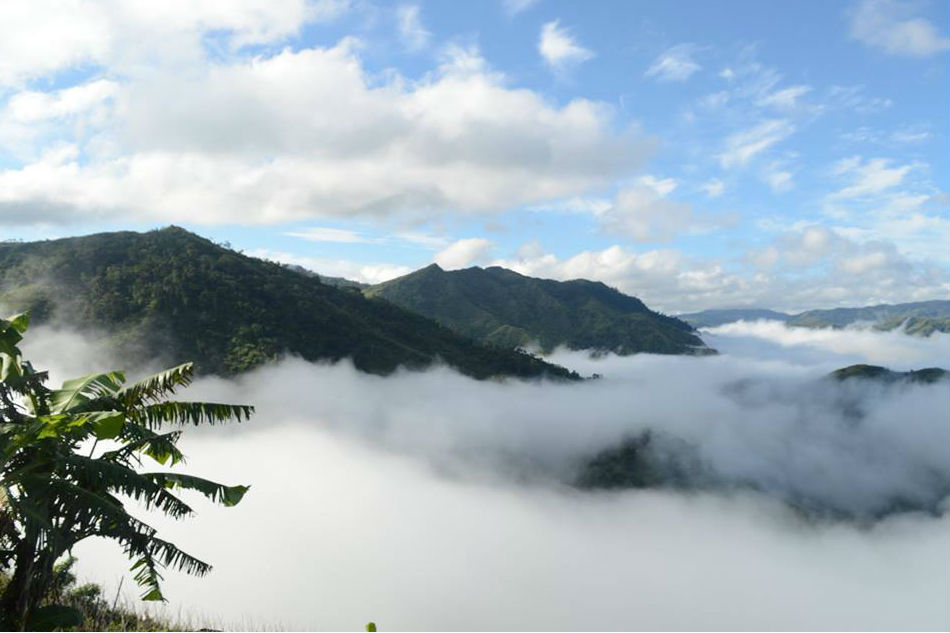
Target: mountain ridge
point(502, 307)
point(174, 293)
point(919, 317)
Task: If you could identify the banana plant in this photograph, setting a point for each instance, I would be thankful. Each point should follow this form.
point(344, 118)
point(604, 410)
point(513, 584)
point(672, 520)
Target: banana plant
point(56, 491)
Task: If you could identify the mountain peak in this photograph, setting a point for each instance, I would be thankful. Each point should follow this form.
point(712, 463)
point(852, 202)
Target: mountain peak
point(504, 308)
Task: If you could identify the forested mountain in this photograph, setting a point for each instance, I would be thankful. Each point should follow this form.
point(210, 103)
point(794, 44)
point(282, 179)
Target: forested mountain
point(173, 294)
point(927, 376)
point(920, 318)
point(713, 318)
point(504, 308)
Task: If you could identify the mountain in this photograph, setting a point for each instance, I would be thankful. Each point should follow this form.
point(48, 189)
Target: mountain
point(174, 294)
point(927, 376)
point(713, 318)
point(921, 318)
point(339, 282)
point(501, 307)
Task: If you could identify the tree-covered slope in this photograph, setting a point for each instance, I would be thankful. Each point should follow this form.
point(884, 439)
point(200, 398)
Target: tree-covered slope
point(927, 376)
point(921, 317)
point(174, 294)
point(712, 318)
point(502, 307)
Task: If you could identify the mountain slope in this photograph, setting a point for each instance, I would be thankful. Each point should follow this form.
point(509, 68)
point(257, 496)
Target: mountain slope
point(174, 293)
point(923, 316)
point(712, 318)
point(501, 307)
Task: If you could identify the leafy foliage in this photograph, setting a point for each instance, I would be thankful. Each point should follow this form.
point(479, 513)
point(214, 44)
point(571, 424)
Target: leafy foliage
point(56, 491)
point(174, 294)
point(499, 306)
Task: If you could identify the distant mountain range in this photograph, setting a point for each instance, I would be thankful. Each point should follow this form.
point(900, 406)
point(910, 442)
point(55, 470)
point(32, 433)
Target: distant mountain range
point(173, 294)
point(920, 318)
point(503, 308)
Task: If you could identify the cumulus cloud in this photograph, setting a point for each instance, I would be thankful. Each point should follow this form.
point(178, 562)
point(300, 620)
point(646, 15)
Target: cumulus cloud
point(125, 34)
point(675, 64)
point(309, 133)
point(559, 48)
point(891, 26)
point(463, 253)
point(431, 501)
point(804, 267)
point(646, 215)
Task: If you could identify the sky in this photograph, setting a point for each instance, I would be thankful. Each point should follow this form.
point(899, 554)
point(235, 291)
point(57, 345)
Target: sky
point(790, 155)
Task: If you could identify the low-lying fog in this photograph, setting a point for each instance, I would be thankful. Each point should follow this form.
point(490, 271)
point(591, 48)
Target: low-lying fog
point(431, 501)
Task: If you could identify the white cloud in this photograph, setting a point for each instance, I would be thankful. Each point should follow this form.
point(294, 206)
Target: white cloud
point(426, 509)
point(559, 49)
point(714, 187)
point(30, 119)
point(646, 215)
point(674, 64)
point(743, 146)
point(780, 181)
point(368, 273)
point(514, 7)
point(327, 234)
point(44, 36)
point(413, 34)
point(890, 26)
point(308, 133)
point(463, 253)
point(786, 98)
point(807, 267)
point(869, 177)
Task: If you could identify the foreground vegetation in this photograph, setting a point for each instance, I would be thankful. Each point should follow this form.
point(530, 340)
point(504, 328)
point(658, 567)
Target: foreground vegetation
point(96, 612)
point(56, 489)
point(174, 295)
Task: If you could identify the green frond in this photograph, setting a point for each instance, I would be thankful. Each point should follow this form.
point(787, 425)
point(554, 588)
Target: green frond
point(160, 447)
point(101, 475)
point(157, 386)
point(99, 512)
point(175, 412)
point(76, 394)
point(225, 495)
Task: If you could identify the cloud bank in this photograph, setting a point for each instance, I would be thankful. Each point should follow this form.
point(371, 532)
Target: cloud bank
point(431, 501)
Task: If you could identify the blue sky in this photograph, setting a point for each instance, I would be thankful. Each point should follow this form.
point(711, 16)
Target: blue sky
point(784, 154)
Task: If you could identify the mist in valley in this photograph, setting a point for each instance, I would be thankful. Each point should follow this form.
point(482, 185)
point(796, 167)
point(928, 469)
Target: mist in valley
point(427, 500)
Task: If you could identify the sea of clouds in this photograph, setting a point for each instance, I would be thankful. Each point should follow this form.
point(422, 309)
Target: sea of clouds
point(426, 500)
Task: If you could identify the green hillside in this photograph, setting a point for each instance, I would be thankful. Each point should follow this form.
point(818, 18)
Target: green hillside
point(713, 318)
point(922, 317)
point(174, 294)
point(501, 307)
point(927, 376)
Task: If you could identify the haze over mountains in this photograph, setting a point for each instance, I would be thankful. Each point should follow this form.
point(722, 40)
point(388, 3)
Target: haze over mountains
point(920, 318)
